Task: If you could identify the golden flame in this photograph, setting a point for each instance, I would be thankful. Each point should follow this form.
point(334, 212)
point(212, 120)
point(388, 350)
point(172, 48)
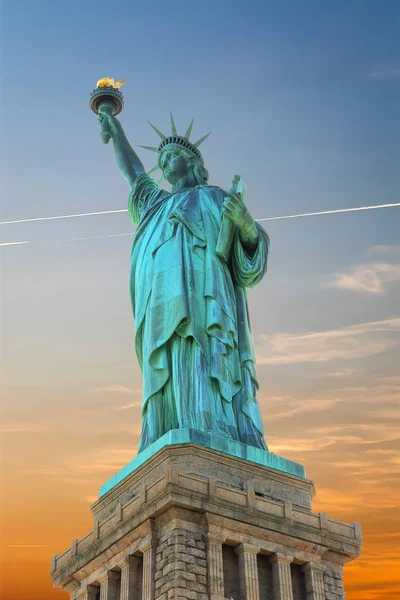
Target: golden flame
point(110, 82)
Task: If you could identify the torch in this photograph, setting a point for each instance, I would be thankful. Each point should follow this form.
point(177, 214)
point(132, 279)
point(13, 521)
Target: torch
point(106, 99)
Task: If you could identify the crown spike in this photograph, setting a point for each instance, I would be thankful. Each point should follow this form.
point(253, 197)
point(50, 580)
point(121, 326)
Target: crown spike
point(153, 169)
point(173, 126)
point(201, 140)
point(189, 130)
point(152, 148)
point(158, 132)
point(161, 180)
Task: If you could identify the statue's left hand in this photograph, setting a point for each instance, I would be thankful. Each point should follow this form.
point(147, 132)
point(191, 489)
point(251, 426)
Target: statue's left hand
point(235, 209)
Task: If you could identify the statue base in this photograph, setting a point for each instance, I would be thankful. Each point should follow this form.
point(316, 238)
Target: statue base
point(193, 523)
point(209, 440)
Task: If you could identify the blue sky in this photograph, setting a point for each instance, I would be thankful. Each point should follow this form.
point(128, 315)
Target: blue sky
point(302, 99)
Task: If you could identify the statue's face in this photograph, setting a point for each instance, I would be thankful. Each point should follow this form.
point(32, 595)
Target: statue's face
point(174, 166)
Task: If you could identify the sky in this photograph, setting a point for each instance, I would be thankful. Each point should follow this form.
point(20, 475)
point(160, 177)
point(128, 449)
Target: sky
point(302, 99)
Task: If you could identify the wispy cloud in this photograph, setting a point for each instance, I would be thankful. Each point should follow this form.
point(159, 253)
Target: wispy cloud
point(123, 390)
point(371, 278)
point(130, 405)
point(310, 444)
point(21, 428)
point(27, 546)
point(283, 407)
point(385, 73)
point(116, 389)
point(90, 499)
point(385, 249)
point(78, 468)
point(354, 341)
point(348, 371)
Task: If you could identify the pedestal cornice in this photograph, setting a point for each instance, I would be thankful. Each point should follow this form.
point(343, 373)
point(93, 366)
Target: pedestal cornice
point(223, 517)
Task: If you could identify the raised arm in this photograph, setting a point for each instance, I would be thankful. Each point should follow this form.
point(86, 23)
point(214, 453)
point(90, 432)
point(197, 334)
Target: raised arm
point(128, 161)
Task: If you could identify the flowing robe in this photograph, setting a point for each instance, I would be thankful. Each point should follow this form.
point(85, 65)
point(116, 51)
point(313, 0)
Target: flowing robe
point(193, 338)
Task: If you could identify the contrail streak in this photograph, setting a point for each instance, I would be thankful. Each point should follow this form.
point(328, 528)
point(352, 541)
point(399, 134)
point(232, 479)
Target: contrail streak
point(106, 212)
point(90, 214)
point(331, 212)
point(14, 243)
point(96, 237)
point(123, 210)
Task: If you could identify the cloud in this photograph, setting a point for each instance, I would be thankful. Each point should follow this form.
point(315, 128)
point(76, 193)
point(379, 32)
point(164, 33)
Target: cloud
point(90, 499)
point(385, 73)
point(21, 428)
point(79, 468)
point(354, 341)
point(27, 546)
point(282, 407)
point(116, 389)
point(369, 279)
point(331, 500)
point(309, 444)
point(121, 389)
point(130, 405)
point(385, 249)
point(102, 459)
point(344, 372)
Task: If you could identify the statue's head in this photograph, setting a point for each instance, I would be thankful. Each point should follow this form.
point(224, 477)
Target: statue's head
point(176, 162)
point(177, 156)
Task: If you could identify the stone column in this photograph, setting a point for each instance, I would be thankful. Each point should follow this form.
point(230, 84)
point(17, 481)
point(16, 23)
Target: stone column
point(129, 578)
point(333, 581)
point(248, 572)
point(87, 593)
point(108, 585)
point(215, 566)
point(149, 568)
point(314, 581)
point(282, 579)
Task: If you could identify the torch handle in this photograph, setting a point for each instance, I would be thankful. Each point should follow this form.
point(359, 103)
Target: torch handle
point(227, 231)
point(107, 109)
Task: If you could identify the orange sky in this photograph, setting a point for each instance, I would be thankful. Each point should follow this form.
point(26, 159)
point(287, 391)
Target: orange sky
point(303, 101)
point(57, 460)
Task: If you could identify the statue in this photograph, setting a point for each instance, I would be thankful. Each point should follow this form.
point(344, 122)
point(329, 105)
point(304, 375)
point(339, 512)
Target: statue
point(192, 328)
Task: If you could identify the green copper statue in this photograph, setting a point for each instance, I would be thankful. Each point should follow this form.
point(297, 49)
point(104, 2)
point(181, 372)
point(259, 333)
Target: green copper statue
point(193, 338)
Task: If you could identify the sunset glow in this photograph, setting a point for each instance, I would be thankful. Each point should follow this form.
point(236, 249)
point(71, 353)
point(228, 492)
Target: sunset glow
point(303, 102)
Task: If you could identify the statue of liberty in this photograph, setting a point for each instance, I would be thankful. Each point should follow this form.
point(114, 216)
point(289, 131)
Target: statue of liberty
point(192, 328)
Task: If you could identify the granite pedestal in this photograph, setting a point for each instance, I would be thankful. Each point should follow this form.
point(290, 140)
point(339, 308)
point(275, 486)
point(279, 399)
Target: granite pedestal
point(195, 523)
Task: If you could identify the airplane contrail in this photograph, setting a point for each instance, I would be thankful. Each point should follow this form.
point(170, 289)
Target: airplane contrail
point(96, 237)
point(122, 210)
point(89, 214)
point(331, 212)
point(106, 212)
point(14, 243)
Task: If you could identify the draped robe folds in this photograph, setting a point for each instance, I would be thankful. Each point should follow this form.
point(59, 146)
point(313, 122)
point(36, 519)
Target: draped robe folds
point(193, 338)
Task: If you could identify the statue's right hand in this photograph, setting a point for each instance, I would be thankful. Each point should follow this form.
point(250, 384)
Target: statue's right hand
point(107, 127)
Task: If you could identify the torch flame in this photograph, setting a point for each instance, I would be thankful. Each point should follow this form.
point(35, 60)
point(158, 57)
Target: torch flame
point(110, 82)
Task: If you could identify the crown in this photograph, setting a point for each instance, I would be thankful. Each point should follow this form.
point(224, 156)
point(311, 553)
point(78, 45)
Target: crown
point(177, 141)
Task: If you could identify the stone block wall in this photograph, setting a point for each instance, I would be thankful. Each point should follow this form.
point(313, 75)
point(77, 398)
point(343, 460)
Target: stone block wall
point(181, 566)
point(333, 584)
point(196, 525)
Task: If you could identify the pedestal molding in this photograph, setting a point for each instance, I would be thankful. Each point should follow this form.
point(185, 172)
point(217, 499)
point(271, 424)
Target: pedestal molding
point(206, 500)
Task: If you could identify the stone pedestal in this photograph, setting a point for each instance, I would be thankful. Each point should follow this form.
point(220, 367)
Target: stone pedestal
point(192, 523)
